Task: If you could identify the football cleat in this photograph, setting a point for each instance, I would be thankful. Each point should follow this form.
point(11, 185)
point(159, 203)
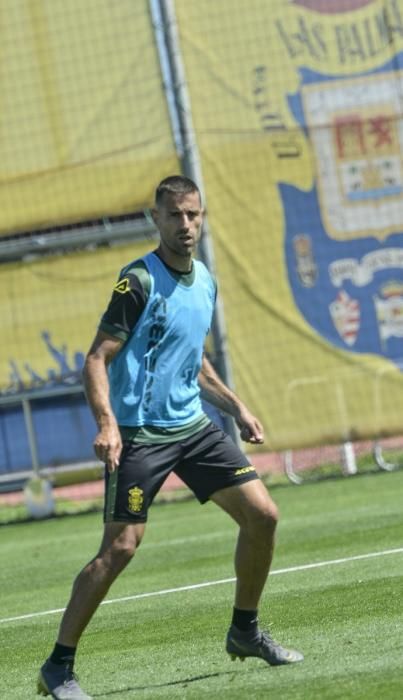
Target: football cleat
point(60, 681)
point(260, 644)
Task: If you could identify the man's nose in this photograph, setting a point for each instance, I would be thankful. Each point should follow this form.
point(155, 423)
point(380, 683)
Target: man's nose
point(184, 221)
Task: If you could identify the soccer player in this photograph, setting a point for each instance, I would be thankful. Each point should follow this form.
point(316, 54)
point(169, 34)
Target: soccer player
point(143, 376)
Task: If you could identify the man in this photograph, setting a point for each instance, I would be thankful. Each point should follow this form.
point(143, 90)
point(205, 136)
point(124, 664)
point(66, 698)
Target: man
point(143, 376)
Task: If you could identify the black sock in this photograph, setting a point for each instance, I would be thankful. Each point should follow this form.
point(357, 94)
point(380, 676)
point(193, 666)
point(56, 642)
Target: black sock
point(245, 620)
point(62, 655)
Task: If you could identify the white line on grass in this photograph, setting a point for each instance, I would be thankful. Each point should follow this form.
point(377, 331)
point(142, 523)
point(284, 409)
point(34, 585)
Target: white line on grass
point(288, 570)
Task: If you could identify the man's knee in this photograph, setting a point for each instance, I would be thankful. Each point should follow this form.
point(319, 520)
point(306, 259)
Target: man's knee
point(120, 544)
point(122, 551)
point(262, 513)
point(250, 505)
point(266, 518)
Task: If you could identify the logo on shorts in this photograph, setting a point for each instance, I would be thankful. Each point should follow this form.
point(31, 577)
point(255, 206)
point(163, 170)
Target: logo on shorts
point(244, 470)
point(136, 499)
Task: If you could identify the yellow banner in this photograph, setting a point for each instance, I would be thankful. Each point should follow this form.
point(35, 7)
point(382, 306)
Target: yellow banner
point(84, 124)
point(297, 111)
point(50, 310)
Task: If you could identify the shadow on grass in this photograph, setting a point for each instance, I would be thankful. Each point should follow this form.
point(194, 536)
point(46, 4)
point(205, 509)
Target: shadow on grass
point(182, 682)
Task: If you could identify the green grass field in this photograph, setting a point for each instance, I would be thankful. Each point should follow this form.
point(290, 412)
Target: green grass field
point(326, 597)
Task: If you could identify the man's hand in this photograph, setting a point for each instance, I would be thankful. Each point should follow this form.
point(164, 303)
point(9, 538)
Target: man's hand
point(218, 394)
point(108, 443)
point(251, 429)
point(108, 446)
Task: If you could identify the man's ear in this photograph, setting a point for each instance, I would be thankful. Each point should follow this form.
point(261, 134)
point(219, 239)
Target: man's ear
point(149, 215)
point(154, 215)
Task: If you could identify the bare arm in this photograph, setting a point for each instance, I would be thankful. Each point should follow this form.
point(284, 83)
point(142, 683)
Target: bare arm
point(218, 394)
point(108, 443)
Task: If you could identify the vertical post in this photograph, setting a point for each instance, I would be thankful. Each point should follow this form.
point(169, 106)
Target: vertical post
point(31, 435)
point(163, 13)
point(349, 464)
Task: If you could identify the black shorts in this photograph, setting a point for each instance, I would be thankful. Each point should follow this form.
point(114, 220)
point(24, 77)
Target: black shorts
point(206, 462)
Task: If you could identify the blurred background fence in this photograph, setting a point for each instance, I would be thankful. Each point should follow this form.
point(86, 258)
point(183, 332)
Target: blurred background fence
point(289, 115)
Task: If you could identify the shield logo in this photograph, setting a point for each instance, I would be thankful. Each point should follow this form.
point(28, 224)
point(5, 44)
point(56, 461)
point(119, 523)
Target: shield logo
point(389, 310)
point(345, 313)
point(344, 237)
point(356, 132)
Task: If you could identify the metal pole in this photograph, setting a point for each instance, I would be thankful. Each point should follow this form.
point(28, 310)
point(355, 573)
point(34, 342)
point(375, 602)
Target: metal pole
point(31, 435)
point(163, 12)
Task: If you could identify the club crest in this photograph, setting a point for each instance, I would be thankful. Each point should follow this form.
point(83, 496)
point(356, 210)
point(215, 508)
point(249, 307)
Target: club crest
point(136, 499)
point(344, 236)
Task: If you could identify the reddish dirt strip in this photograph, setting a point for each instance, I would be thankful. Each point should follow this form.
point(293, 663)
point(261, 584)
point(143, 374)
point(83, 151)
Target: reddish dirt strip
point(265, 463)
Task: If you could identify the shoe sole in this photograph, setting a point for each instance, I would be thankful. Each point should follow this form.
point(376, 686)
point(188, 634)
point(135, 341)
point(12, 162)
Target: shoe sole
point(271, 663)
point(234, 657)
point(41, 687)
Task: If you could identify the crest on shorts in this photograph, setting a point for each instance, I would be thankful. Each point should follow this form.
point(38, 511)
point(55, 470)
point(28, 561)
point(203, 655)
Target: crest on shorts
point(136, 499)
point(344, 236)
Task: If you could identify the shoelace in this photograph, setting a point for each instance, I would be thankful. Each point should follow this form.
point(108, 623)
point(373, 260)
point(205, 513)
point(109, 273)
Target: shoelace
point(70, 682)
point(268, 639)
point(71, 676)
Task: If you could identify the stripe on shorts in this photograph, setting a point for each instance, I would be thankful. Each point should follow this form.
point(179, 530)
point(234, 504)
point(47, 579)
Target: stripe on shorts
point(111, 496)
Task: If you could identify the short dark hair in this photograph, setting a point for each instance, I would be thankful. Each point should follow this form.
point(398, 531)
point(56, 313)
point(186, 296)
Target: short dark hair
point(175, 184)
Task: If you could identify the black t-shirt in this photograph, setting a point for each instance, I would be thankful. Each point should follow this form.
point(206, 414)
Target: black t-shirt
point(127, 303)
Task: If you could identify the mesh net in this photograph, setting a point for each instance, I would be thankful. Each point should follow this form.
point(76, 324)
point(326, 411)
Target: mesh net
point(298, 115)
point(84, 120)
point(297, 109)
